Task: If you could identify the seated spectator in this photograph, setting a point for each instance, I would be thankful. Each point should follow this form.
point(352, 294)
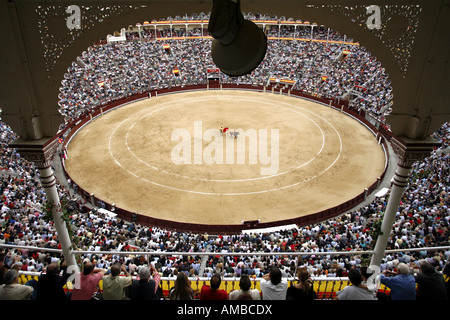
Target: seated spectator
point(430, 283)
point(88, 282)
point(273, 287)
point(401, 283)
point(213, 291)
point(245, 296)
point(50, 285)
point(304, 289)
point(245, 289)
point(182, 289)
point(12, 289)
point(356, 291)
point(114, 285)
point(145, 288)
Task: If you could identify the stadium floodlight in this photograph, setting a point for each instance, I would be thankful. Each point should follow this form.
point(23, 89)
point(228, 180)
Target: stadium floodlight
point(239, 45)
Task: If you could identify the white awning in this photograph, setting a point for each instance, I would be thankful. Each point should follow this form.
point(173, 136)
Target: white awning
point(109, 213)
point(271, 229)
point(382, 192)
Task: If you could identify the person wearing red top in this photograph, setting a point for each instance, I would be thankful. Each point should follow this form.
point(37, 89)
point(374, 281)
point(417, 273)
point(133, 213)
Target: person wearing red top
point(212, 291)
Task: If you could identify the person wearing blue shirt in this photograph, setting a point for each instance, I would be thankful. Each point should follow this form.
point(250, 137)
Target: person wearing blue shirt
point(401, 283)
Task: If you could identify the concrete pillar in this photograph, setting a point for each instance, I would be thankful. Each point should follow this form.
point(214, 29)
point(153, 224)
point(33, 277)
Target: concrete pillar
point(41, 152)
point(400, 183)
point(409, 151)
point(48, 181)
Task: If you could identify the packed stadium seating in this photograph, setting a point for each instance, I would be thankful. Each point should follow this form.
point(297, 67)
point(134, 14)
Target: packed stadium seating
point(333, 67)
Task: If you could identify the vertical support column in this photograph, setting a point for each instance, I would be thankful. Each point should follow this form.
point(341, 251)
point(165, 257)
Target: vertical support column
point(399, 185)
point(48, 181)
point(408, 151)
point(41, 152)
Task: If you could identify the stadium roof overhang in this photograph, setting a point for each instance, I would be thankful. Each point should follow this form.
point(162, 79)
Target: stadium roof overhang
point(411, 39)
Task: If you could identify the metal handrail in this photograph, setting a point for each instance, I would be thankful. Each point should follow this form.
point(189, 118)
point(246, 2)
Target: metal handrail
point(321, 284)
point(209, 253)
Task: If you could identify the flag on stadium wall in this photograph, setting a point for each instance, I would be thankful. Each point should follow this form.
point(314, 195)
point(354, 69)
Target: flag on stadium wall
point(166, 48)
point(176, 72)
point(286, 81)
point(213, 73)
point(212, 70)
point(291, 82)
point(324, 78)
point(345, 53)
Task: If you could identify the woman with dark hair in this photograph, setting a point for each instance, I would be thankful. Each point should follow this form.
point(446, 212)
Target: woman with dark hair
point(304, 289)
point(273, 287)
point(182, 289)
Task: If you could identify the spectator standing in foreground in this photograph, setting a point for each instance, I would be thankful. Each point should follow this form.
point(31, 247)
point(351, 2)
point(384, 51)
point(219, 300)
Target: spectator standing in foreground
point(304, 289)
point(3, 268)
point(273, 287)
point(213, 291)
point(182, 289)
point(446, 272)
point(145, 288)
point(50, 286)
point(89, 280)
point(430, 283)
point(357, 291)
point(401, 283)
point(245, 288)
point(12, 289)
point(114, 285)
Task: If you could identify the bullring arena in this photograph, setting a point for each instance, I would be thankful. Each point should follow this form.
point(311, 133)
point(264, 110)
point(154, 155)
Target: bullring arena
point(125, 157)
point(158, 159)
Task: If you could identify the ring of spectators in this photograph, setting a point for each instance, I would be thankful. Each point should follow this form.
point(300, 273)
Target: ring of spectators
point(422, 219)
point(106, 72)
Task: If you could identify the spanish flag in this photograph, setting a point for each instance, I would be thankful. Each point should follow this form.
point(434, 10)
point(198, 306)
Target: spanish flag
point(176, 72)
point(166, 48)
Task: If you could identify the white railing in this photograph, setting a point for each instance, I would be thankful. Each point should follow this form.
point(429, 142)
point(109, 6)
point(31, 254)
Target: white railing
point(210, 253)
point(325, 286)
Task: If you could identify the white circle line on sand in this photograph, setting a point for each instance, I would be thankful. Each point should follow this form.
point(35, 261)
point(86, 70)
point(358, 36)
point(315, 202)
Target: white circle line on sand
point(227, 180)
point(226, 194)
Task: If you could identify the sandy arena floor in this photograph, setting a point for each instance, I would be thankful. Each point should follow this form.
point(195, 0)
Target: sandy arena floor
point(129, 157)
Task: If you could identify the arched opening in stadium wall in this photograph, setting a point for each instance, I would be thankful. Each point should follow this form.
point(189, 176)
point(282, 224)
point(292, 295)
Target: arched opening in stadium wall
point(411, 41)
point(171, 54)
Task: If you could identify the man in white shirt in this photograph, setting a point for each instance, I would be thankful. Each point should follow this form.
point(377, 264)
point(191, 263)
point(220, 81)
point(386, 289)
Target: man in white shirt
point(273, 287)
point(245, 288)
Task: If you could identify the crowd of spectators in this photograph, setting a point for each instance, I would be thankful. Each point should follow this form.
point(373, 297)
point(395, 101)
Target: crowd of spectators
point(109, 71)
point(128, 68)
point(422, 221)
